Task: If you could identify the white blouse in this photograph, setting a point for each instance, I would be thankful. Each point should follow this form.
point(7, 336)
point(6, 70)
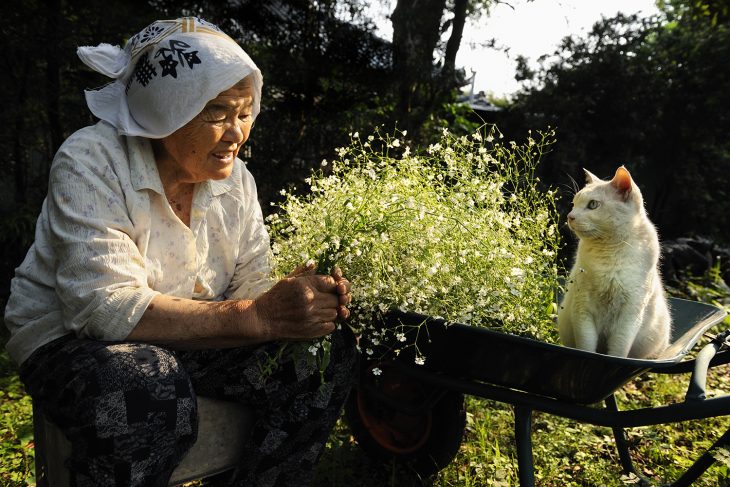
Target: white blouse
point(107, 242)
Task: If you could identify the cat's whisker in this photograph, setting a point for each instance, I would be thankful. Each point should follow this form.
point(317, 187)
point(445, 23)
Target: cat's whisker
point(575, 185)
point(571, 188)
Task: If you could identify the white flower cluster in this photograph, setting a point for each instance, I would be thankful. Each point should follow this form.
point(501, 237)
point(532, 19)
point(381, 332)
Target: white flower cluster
point(460, 231)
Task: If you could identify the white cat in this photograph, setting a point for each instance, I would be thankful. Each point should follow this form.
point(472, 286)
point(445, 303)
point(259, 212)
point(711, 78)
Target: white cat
point(614, 301)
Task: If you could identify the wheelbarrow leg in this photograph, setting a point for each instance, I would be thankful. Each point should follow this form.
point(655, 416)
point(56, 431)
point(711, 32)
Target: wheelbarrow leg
point(622, 445)
point(523, 442)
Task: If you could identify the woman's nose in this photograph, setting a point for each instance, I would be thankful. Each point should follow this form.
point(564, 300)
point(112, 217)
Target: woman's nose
point(234, 134)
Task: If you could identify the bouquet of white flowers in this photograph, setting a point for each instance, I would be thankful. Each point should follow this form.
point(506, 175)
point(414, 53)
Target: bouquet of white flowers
point(460, 231)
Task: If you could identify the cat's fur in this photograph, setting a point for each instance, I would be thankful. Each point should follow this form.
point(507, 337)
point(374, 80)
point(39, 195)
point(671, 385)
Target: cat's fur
point(614, 301)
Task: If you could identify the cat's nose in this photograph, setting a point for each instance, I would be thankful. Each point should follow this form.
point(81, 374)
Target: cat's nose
point(571, 217)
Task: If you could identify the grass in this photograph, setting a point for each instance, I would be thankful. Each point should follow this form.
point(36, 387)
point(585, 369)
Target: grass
point(16, 428)
point(566, 453)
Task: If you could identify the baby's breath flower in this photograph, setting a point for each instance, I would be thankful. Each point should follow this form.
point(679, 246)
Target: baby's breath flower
point(434, 231)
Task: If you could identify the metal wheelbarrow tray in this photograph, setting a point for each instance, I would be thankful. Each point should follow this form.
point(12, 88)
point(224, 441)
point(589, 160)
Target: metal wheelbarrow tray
point(532, 375)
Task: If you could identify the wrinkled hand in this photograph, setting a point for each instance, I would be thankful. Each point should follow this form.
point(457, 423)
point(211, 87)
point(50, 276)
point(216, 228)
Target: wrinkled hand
point(344, 293)
point(304, 305)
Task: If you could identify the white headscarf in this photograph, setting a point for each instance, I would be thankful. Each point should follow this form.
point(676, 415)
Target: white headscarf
point(165, 75)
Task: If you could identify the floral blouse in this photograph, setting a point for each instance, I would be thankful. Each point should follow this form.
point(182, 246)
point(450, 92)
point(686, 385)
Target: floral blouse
point(107, 241)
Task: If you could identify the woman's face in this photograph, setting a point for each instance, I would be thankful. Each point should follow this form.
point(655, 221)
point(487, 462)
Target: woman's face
point(206, 147)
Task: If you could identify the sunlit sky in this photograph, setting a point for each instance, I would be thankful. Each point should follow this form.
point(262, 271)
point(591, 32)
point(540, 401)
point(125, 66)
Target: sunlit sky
point(527, 28)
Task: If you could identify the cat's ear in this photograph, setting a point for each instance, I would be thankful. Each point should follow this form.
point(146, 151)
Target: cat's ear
point(590, 177)
point(622, 182)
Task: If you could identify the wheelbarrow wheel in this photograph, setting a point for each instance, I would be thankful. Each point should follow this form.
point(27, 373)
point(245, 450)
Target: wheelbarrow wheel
point(392, 418)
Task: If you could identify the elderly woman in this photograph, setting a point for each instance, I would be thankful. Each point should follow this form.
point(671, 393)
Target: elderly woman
point(148, 282)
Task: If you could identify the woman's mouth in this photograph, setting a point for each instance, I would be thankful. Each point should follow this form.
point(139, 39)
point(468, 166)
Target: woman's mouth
point(224, 157)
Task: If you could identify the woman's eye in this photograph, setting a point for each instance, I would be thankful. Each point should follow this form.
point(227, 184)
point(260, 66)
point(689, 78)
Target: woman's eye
point(245, 118)
point(215, 119)
point(593, 204)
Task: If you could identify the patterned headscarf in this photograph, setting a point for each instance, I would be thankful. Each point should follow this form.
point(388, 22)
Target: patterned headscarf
point(165, 75)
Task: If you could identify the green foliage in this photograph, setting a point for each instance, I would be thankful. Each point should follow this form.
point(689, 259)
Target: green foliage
point(458, 118)
point(709, 288)
point(652, 94)
point(710, 12)
point(16, 429)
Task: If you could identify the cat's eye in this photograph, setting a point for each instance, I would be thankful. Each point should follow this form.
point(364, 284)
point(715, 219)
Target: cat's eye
point(593, 204)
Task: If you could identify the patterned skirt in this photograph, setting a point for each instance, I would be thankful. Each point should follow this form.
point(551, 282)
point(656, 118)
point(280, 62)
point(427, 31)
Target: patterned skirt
point(129, 408)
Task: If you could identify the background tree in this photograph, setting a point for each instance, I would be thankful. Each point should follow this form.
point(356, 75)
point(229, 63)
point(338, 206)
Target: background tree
point(652, 94)
point(424, 65)
point(710, 11)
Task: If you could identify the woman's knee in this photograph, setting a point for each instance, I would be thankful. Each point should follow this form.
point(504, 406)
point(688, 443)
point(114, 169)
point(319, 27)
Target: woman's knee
point(136, 366)
point(118, 403)
point(141, 383)
point(124, 388)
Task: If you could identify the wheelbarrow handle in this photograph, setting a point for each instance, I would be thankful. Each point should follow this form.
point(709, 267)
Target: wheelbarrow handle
point(696, 390)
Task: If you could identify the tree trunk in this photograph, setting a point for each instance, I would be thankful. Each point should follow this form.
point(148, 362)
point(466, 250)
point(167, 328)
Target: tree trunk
point(416, 31)
point(457, 32)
